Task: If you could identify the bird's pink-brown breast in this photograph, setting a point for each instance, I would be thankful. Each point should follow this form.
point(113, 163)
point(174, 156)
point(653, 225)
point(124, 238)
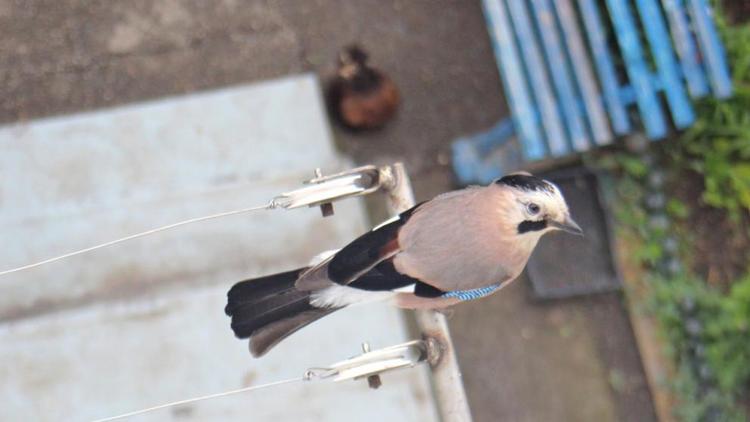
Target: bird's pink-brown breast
point(412, 301)
point(460, 241)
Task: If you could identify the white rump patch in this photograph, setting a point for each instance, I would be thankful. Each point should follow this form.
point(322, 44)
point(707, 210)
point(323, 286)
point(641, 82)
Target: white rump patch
point(406, 289)
point(338, 296)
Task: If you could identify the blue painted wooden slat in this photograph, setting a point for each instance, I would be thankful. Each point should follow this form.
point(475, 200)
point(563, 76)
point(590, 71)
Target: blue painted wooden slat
point(496, 136)
point(582, 69)
point(686, 49)
point(627, 37)
point(566, 95)
point(627, 94)
point(711, 48)
point(666, 64)
point(477, 158)
point(656, 82)
point(528, 76)
point(604, 66)
point(545, 97)
point(514, 81)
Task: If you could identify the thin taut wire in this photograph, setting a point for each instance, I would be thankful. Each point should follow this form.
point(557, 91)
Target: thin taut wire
point(137, 235)
point(210, 396)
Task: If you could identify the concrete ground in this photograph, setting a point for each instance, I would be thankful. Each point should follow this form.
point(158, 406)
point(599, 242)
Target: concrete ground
point(572, 360)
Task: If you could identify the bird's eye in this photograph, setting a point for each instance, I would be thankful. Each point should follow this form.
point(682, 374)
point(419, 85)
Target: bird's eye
point(533, 208)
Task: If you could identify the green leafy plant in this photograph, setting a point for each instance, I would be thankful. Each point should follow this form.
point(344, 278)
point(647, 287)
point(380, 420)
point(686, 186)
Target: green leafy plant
point(718, 147)
point(728, 338)
point(718, 144)
point(705, 405)
point(720, 323)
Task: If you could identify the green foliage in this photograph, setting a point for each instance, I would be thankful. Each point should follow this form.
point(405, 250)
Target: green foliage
point(669, 301)
point(718, 144)
point(718, 147)
point(704, 403)
point(728, 334)
point(720, 322)
point(722, 319)
point(677, 209)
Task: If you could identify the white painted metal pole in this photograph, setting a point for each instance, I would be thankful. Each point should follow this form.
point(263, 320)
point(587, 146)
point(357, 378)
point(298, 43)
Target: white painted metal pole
point(446, 374)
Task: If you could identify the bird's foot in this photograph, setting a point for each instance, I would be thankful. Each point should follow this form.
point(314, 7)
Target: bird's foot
point(447, 312)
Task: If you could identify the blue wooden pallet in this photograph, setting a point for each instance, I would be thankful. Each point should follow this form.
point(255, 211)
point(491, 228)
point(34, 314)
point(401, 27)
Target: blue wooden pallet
point(566, 91)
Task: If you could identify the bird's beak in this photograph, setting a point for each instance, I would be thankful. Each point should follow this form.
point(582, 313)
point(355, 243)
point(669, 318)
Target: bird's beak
point(568, 225)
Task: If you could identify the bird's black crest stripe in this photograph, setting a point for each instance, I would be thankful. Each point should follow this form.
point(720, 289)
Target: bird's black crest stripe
point(525, 182)
point(530, 226)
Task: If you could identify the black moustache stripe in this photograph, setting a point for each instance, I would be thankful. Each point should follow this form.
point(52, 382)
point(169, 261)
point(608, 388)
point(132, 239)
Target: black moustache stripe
point(531, 226)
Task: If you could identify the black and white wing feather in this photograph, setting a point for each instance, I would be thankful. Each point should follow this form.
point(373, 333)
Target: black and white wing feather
point(365, 263)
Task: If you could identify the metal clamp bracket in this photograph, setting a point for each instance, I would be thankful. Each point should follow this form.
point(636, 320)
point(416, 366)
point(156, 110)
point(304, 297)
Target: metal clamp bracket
point(323, 190)
point(371, 363)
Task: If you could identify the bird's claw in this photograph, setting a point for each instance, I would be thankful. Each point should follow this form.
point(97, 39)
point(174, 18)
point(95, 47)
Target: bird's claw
point(446, 312)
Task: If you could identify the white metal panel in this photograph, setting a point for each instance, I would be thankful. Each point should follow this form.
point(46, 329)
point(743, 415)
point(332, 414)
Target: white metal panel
point(142, 323)
point(72, 182)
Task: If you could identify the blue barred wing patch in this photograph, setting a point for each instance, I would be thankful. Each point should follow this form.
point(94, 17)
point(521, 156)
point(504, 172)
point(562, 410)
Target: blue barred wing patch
point(472, 293)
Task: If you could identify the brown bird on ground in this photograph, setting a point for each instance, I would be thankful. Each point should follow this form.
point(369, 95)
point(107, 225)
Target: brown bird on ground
point(360, 96)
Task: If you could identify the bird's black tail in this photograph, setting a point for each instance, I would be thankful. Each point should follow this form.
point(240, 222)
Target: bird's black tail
point(269, 309)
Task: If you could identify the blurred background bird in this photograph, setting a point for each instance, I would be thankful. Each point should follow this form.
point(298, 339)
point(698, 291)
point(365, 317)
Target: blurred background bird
point(361, 97)
point(461, 245)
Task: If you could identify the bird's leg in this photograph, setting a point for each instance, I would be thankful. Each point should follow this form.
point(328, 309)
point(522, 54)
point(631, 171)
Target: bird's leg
point(447, 312)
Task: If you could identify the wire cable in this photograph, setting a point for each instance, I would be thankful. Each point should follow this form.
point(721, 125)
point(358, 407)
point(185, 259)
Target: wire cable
point(137, 235)
point(210, 396)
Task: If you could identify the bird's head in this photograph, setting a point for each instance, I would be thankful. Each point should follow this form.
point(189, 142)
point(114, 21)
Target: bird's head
point(352, 60)
point(537, 206)
point(353, 54)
